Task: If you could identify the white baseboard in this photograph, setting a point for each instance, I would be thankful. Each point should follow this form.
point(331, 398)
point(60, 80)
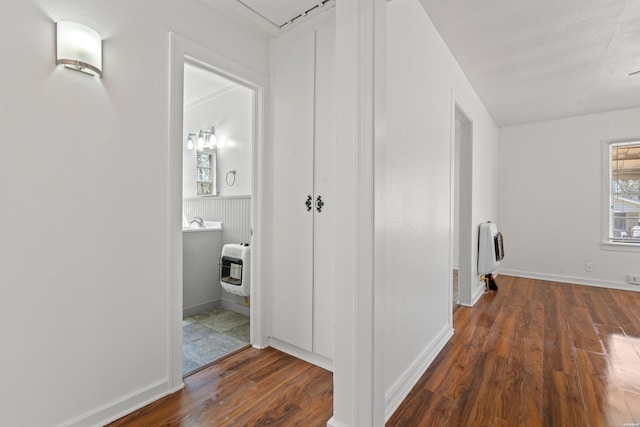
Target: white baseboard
point(333, 423)
point(120, 407)
point(237, 307)
point(477, 294)
point(572, 280)
point(399, 391)
point(207, 306)
point(315, 359)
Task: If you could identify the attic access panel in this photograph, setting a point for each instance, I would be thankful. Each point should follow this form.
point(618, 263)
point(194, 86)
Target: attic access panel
point(279, 12)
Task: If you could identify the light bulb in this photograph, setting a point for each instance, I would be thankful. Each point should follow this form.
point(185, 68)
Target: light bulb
point(201, 140)
point(190, 141)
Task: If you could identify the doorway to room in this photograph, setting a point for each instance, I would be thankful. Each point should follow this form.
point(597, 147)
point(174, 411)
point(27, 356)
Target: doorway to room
point(461, 237)
point(216, 204)
point(184, 50)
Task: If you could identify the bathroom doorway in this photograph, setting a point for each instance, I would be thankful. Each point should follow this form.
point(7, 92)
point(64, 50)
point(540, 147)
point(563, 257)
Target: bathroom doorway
point(216, 190)
point(215, 175)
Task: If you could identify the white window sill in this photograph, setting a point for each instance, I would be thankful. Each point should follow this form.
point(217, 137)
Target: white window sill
point(621, 247)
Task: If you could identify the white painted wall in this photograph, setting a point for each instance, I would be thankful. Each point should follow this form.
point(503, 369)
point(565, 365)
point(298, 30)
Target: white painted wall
point(232, 114)
point(550, 199)
point(83, 185)
point(413, 190)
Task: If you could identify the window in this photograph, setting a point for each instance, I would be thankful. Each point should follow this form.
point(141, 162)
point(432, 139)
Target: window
point(206, 164)
point(624, 192)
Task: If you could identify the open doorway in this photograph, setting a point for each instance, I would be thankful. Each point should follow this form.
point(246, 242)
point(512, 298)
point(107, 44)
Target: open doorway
point(461, 237)
point(184, 50)
point(217, 196)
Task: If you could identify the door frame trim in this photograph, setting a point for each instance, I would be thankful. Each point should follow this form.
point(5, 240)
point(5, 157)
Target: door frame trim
point(465, 235)
point(182, 49)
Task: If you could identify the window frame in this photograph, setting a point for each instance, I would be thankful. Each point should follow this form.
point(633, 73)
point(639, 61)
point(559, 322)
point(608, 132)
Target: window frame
point(212, 153)
point(609, 242)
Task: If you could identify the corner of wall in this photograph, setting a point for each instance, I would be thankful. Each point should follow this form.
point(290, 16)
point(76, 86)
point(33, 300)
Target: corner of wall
point(399, 391)
point(118, 408)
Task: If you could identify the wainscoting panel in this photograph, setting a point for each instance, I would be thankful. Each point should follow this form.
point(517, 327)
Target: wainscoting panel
point(233, 211)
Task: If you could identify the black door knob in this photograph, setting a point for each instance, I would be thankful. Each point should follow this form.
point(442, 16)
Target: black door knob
point(319, 203)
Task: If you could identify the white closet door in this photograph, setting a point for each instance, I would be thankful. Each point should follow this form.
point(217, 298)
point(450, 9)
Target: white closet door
point(325, 187)
point(292, 296)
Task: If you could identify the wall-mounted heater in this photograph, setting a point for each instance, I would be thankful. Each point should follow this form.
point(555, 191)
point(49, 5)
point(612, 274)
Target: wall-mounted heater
point(490, 252)
point(234, 268)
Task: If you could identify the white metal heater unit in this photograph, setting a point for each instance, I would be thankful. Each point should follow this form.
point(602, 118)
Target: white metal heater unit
point(234, 268)
point(490, 248)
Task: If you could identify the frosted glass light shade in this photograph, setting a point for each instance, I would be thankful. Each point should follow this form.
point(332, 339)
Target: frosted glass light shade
point(79, 47)
point(201, 139)
point(190, 141)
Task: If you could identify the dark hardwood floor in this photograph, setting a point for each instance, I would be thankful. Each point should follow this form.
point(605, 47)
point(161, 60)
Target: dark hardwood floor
point(250, 388)
point(534, 353)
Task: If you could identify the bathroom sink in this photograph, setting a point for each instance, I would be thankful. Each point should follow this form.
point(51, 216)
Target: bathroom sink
point(208, 226)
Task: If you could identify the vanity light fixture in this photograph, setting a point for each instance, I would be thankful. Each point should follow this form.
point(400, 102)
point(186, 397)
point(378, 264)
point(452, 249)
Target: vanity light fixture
point(203, 139)
point(78, 47)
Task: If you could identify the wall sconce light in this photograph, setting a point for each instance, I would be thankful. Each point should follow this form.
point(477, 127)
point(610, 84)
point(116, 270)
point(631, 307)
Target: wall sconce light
point(78, 47)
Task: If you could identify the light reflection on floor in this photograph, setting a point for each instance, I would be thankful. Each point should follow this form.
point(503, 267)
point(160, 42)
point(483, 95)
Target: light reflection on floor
point(623, 381)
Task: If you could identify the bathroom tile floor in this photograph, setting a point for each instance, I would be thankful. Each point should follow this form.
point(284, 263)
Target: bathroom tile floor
point(208, 336)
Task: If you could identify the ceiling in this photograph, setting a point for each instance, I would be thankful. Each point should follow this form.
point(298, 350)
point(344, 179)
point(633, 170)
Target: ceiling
point(280, 12)
point(201, 84)
point(272, 16)
point(544, 59)
point(528, 60)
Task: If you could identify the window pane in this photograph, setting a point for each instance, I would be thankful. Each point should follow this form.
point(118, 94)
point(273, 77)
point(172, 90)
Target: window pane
point(625, 191)
point(203, 174)
point(204, 188)
point(204, 160)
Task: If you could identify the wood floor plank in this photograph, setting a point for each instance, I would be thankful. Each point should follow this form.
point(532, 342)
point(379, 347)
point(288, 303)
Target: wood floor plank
point(271, 402)
point(568, 402)
point(605, 332)
point(558, 342)
point(593, 388)
point(500, 340)
point(583, 333)
point(251, 387)
point(534, 353)
point(546, 359)
point(627, 308)
point(424, 408)
point(522, 388)
point(474, 393)
point(599, 305)
point(461, 368)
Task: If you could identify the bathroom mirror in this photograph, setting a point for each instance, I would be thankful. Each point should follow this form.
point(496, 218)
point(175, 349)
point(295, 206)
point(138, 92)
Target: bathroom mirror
point(207, 184)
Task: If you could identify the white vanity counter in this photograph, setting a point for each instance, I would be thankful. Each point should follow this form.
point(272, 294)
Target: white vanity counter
point(208, 226)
